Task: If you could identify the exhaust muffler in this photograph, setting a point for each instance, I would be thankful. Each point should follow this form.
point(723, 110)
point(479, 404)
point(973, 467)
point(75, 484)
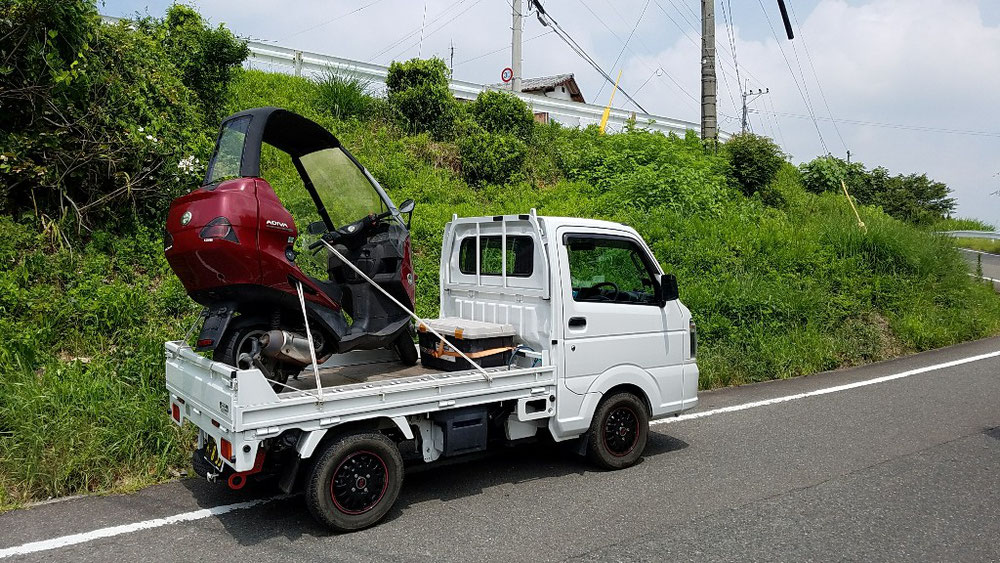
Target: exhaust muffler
point(286, 347)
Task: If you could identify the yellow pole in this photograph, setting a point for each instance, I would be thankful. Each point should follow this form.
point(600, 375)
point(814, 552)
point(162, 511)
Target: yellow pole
point(607, 110)
point(861, 224)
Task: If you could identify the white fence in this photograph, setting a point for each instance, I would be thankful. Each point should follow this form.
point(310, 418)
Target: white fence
point(572, 114)
point(971, 234)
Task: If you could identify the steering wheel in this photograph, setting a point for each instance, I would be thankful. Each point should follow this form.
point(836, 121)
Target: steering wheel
point(604, 283)
point(351, 231)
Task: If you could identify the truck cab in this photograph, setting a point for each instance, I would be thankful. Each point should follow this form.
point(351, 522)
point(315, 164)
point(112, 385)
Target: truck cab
point(601, 346)
point(589, 294)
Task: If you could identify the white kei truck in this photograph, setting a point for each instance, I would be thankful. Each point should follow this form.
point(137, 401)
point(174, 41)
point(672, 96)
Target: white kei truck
point(603, 346)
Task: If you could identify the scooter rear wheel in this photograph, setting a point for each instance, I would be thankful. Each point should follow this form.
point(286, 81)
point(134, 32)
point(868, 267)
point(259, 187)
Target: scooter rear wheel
point(238, 340)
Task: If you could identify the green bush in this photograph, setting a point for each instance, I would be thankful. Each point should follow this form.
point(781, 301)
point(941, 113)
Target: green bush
point(207, 58)
point(418, 91)
point(344, 93)
point(491, 158)
point(502, 112)
point(914, 198)
point(98, 119)
point(754, 162)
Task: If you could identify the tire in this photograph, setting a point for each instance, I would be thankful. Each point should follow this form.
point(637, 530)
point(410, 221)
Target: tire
point(618, 431)
point(341, 497)
point(236, 341)
point(403, 345)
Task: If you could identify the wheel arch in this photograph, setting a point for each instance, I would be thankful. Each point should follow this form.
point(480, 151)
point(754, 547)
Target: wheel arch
point(315, 440)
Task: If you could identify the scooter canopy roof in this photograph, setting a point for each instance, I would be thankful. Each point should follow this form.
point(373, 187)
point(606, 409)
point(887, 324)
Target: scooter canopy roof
point(280, 128)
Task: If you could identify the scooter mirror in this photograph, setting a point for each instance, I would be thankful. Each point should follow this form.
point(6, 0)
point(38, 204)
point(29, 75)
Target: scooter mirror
point(316, 228)
point(407, 206)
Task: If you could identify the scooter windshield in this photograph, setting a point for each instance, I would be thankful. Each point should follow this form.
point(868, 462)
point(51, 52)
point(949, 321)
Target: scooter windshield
point(341, 186)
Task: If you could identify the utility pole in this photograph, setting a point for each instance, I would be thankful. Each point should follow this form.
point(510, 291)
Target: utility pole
point(451, 60)
point(749, 96)
point(515, 46)
point(709, 117)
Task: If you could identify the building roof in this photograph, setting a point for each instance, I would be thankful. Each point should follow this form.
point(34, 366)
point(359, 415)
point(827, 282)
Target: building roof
point(544, 84)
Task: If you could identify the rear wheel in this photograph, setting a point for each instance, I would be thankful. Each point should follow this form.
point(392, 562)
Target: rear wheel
point(238, 340)
point(355, 482)
point(618, 431)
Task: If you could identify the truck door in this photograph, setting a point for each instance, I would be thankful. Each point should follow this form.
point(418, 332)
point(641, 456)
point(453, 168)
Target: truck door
point(611, 313)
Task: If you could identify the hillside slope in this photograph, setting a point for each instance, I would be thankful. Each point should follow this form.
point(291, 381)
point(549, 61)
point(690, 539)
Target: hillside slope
point(776, 291)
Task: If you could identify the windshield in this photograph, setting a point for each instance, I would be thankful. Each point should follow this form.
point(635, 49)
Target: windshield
point(228, 155)
point(341, 186)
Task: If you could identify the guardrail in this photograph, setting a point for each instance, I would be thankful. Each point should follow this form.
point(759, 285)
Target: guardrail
point(572, 114)
point(971, 234)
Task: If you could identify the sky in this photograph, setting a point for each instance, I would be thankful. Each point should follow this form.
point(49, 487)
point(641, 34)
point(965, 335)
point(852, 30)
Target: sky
point(911, 85)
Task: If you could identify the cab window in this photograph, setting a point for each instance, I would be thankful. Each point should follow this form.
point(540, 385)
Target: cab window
point(610, 270)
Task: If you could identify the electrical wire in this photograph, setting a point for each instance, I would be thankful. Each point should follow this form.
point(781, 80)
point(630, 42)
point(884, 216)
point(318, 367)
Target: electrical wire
point(822, 141)
point(331, 20)
point(506, 47)
point(416, 30)
point(562, 34)
point(902, 126)
point(822, 94)
point(440, 27)
point(676, 84)
point(614, 65)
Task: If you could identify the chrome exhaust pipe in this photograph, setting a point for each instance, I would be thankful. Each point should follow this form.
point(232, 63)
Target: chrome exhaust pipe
point(286, 346)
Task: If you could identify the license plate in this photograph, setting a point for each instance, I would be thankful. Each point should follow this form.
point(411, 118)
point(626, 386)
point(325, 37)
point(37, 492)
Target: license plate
point(212, 454)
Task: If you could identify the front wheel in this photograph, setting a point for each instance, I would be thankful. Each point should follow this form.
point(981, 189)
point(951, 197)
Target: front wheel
point(355, 482)
point(618, 431)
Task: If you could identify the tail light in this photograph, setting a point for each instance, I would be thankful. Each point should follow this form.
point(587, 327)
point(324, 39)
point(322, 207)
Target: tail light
point(226, 449)
point(694, 339)
point(175, 412)
point(220, 227)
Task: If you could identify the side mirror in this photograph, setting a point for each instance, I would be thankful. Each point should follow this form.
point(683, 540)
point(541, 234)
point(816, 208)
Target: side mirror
point(316, 228)
point(668, 289)
point(407, 207)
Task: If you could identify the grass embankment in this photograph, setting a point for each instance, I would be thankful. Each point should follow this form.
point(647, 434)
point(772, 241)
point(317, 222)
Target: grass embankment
point(776, 291)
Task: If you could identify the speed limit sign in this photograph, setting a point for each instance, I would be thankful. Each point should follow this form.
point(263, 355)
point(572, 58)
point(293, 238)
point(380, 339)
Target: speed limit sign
point(507, 74)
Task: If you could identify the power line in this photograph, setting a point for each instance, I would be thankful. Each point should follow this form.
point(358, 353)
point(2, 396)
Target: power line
point(440, 27)
point(614, 65)
point(822, 94)
point(863, 123)
point(501, 49)
point(331, 20)
point(415, 30)
point(822, 142)
point(615, 35)
point(543, 16)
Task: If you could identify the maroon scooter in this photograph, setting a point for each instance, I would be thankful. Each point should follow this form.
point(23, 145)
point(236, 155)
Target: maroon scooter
point(235, 244)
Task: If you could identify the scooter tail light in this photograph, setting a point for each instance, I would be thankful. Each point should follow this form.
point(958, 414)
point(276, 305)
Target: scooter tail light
point(219, 228)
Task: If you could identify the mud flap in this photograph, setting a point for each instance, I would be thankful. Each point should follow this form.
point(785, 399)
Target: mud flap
point(216, 321)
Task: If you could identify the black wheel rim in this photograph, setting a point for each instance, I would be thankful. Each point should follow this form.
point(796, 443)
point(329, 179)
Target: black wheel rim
point(621, 431)
point(359, 482)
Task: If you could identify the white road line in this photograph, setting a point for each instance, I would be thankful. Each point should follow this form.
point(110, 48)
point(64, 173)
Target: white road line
point(74, 539)
point(983, 277)
point(826, 391)
point(85, 537)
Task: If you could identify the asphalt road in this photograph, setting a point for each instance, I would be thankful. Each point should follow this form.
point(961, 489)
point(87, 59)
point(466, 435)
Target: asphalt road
point(901, 469)
point(990, 263)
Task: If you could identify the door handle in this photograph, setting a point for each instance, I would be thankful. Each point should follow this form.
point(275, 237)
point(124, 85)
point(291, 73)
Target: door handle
point(577, 322)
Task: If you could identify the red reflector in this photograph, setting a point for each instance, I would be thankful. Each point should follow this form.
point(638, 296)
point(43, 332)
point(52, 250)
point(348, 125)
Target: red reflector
point(215, 423)
point(175, 411)
point(226, 449)
point(205, 342)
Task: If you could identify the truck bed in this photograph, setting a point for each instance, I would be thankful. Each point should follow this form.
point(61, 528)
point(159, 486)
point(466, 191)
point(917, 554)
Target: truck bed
point(221, 399)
